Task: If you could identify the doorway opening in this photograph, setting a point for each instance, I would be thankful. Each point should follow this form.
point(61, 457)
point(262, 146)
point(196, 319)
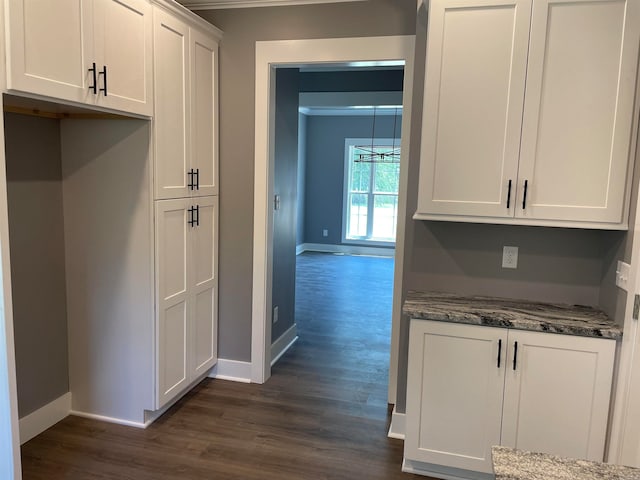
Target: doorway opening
point(353, 52)
point(344, 159)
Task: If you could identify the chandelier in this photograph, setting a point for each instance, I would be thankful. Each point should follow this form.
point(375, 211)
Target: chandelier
point(373, 154)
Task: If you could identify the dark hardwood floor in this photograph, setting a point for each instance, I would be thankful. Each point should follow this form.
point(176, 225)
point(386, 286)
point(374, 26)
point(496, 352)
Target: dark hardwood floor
point(322, 415)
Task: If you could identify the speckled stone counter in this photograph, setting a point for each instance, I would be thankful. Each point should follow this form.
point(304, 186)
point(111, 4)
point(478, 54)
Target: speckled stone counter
point(507, 313)
point(510, 464)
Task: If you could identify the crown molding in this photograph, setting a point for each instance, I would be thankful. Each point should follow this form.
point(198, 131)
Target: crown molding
point(180, 10)
point(219, 4)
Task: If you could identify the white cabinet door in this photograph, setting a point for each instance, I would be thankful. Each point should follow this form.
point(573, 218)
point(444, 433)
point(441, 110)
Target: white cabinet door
point(204, 282)
point(171, 105)
point(204, 108)
point(47, 49)
point(123, 44)
point(472, 112)
point(454, 394)
point(578, 109)
point(556, 399)
point(174, 309)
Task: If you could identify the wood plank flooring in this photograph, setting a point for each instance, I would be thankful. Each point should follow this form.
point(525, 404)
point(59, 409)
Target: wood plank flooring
point(322, 415)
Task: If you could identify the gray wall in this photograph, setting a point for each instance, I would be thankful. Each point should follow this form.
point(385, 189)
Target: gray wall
point(36, 233)
point(302, 169)
point(325, 169)
point(285, 185)
point(242, 28)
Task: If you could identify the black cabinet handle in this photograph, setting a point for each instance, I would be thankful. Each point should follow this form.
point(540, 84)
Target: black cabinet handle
point(192, 220)
point(197, 215)
point(524, 198)
point(191, 184)
point(197, 179)
point(499, 351)
point(509, 197)
point(104, 81)
point(515, 355)
point(94, 88)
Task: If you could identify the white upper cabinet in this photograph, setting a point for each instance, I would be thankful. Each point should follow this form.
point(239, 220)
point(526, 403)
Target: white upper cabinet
point(204, 112)
point(171, 105)
point(528, 111)
point(46, 48)
point(474, 90)
point(122, 45)
point(579, 108)
point(96, 52)
point(186, 111)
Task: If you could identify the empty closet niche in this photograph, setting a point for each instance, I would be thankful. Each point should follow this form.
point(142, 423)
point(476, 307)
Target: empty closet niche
point(81, 245)
point(36, 235)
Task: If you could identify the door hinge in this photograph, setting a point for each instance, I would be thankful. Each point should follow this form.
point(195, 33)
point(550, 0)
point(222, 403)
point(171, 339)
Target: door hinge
point(276, 202)
point(636, 306)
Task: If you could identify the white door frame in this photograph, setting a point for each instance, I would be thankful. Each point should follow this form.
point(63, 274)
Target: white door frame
point(293, 53)
point(10, 466)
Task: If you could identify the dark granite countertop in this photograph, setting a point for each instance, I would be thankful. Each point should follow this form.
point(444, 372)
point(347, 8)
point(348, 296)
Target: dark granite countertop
point(507, 313)
point(511, 464)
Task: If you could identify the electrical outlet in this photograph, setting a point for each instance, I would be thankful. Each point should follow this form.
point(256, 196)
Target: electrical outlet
point(622, 275)
point(275, 315)
point(325, 233)
point(510, 257)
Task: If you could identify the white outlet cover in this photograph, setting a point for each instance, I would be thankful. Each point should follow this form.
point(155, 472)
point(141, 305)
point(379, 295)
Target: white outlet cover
point(622, 275)
point(510, 257)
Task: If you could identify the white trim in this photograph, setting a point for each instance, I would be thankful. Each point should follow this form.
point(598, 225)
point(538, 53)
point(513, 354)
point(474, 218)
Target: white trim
point(398, 424)
point(10, 464)
point(405, 150)
point(103, 418)
point(345, 249)
point(216, 4)
point(284, 343)
point(191, 18)
point(445, 473)
point(45, 417)
point(291, 53)
point(232, 370)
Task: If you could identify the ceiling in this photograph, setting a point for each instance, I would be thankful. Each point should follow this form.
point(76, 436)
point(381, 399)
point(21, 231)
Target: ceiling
point(213, 4)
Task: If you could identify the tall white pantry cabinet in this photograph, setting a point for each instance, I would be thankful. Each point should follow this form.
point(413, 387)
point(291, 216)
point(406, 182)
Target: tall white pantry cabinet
point(186, 206)
point(140, 191)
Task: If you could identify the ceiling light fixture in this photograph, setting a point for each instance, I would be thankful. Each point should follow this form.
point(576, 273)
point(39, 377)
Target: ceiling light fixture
point(372, 153)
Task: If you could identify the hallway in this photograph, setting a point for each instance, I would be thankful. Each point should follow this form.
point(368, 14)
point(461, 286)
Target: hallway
point(322, 414)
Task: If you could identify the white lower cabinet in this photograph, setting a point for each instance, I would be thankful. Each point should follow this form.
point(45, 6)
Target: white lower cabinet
point(186, 253)
point(471, 387)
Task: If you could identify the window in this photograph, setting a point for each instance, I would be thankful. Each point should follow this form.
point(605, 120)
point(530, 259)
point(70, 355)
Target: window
point(370, 209)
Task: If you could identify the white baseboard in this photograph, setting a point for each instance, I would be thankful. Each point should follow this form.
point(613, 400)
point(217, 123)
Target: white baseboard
point(103, 418)
point(284, 343)
point(346, 249)
point(444, 473)
point(37, 422)
point(232, 370)
point(398, 424)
